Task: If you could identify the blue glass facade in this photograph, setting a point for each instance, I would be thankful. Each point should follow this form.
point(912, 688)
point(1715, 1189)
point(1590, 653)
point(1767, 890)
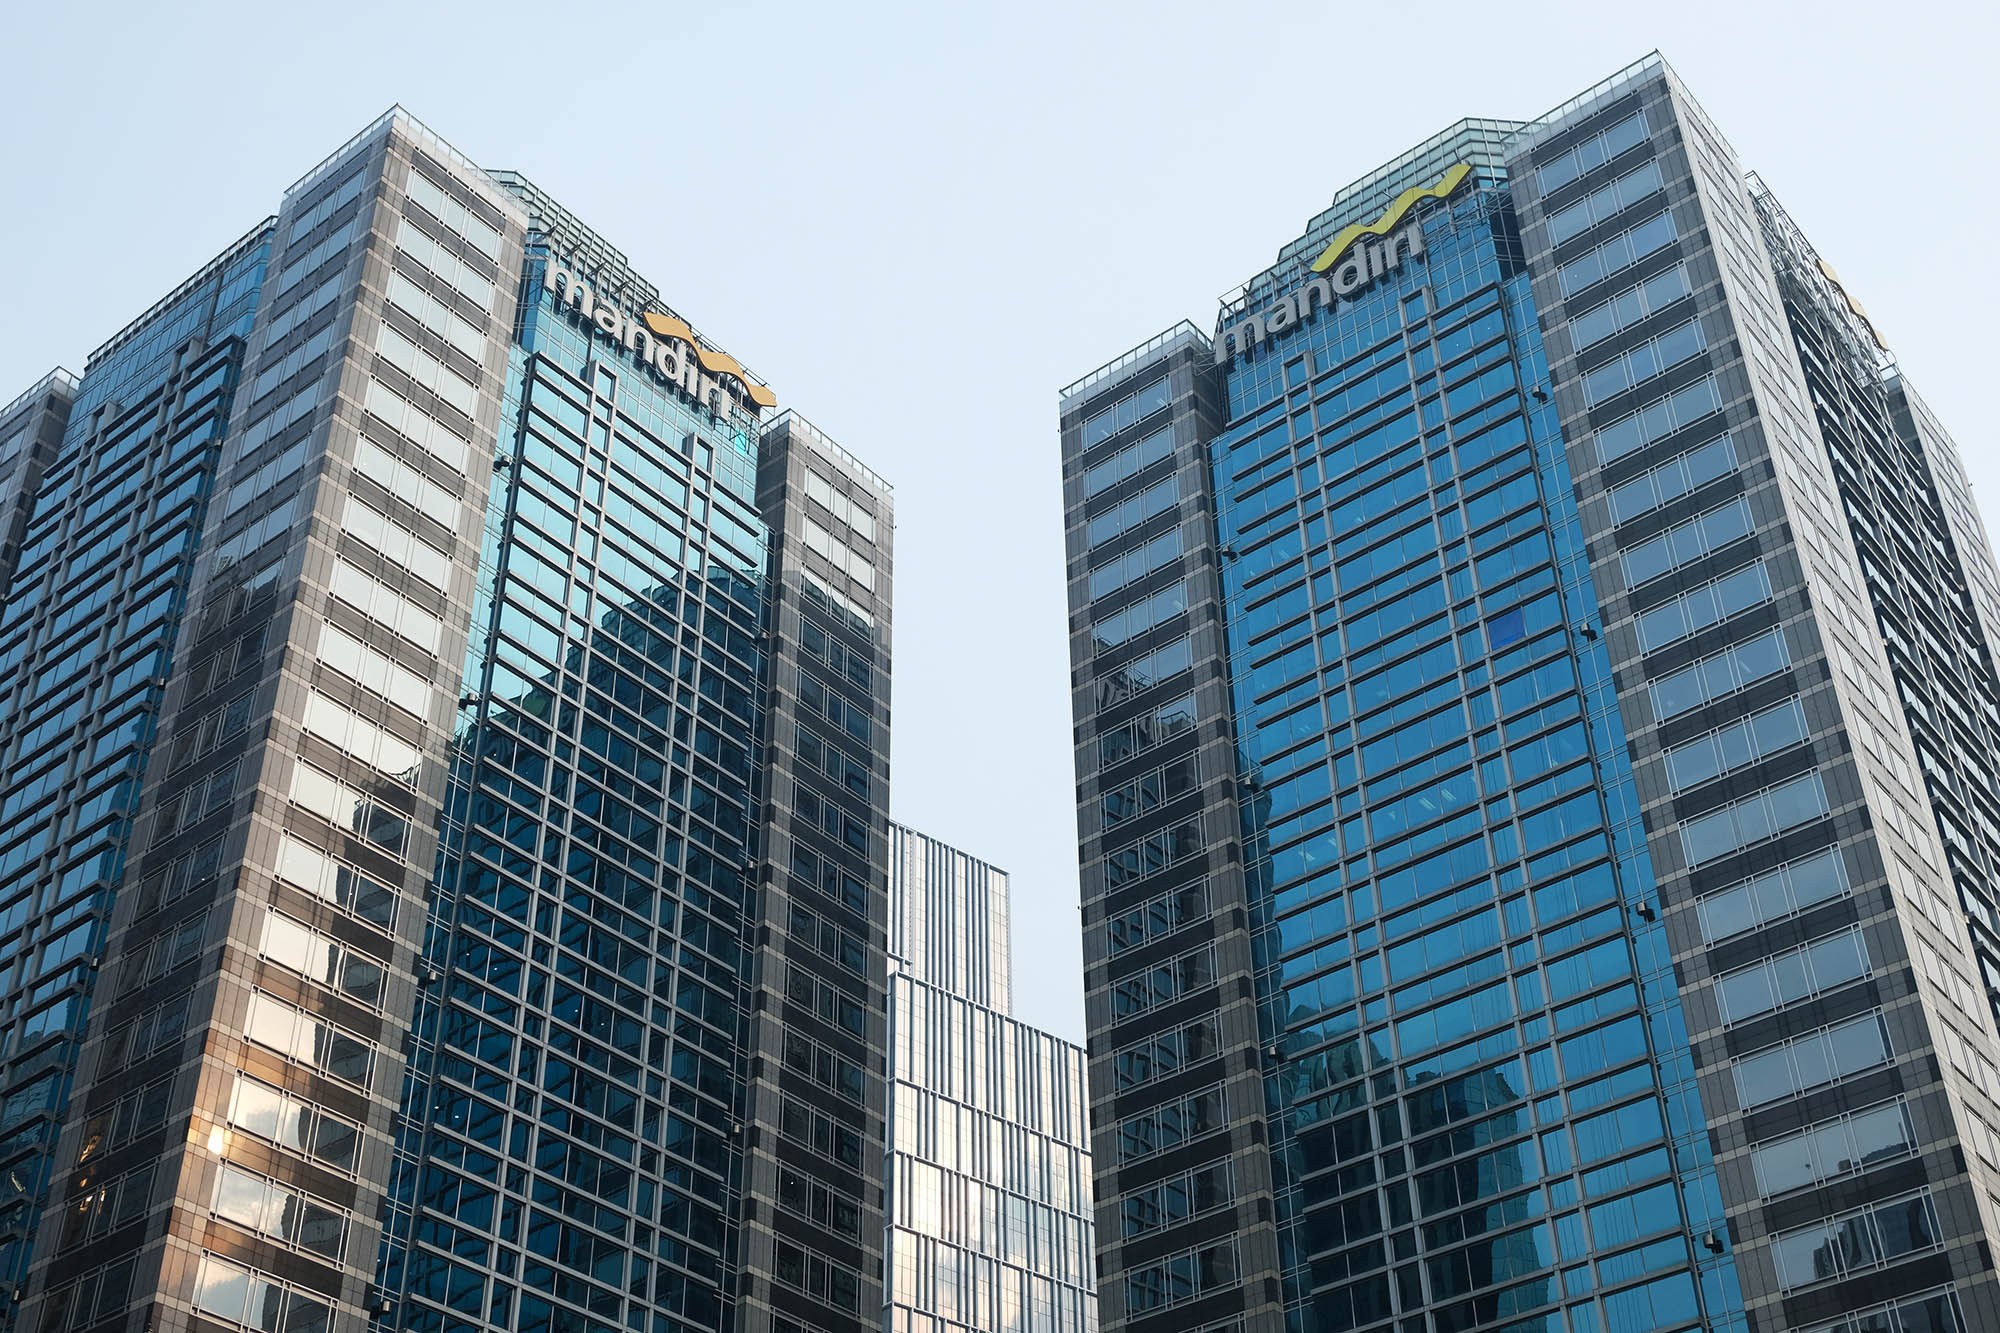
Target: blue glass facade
point(1484, 1106)
point(506, 949)
point(88, 629)
point(589, 1024)
point(1533, 677)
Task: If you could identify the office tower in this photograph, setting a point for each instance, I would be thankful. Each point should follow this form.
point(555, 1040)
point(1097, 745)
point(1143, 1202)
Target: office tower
point(1536, 711)
point(449, 846)
point(988, 1210)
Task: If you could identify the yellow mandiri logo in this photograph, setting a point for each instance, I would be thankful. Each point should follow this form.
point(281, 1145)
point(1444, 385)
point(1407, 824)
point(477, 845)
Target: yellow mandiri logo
point(662, 342)
point(1349, 263)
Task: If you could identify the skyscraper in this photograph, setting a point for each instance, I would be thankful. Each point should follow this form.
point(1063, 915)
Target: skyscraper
point(989, 1215)
point(446, 848)
point(1536, 705)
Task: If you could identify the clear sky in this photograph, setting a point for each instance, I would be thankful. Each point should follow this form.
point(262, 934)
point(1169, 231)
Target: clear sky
point(920, 222)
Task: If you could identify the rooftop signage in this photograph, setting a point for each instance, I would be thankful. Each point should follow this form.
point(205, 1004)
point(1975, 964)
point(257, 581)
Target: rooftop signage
point(661, 342)
point(1353, 263)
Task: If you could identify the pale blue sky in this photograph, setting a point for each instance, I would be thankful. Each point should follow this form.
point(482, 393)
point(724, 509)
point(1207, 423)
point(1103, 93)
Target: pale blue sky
point(920, 222)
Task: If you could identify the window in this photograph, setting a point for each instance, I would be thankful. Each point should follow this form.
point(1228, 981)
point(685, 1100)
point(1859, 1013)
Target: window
point(249, 1299)
point(382, 675)
point(346, 809)
point(437, 316)
point(425, 192)
point(1604, 203)
point(1133, 407)
point(1143, 733)
point(1167, 1127)
point(308, 1040)
point(1163, 983)
point(269, 1113)
point(1136, 619)
point(1656, 419)
point(1699, 536)
point(1773, 895)
point(1836, 1148)
point(1711, 604)
point(1754, 818)
point(386, 607)
point(1598, 149)
point(1720, 674)
point(1617, 254)
point(1123, 682)
point(405, 482)
point(1156, 918)
point(427, 370)
point(1743, 742)
point(1814, 1060)
point(1156, 499)
point(1786, 978)
point(1181, 1278)
point(1672, 479)
point(266, 1207)
point(307, 867)
point(397, 543)
point(372, 745)
point(1628, 308)
point(1644, 362)
point(1135, 564)
point(1129, 461)
point(1152, 853)
point(290, 944)
point(1174, 1201)
point(1165, 1054)
point(840, 506)
point(417, 426)
point(1149, 791)
point(840, 555)
point(1933, 1312)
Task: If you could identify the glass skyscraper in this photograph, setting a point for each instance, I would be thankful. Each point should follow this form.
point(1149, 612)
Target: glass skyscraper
point(446, 852)
point(989, 1212)
point(1537, 720)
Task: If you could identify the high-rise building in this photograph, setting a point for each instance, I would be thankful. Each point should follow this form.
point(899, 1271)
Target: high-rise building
point(989, 1224)
point(446, 853)
point(1537, 730)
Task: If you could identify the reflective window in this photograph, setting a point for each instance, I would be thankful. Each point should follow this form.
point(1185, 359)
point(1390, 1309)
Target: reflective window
point(1835, 1148)
point(1720, 674)
point(379, 673)
point(1656, 419)
point(1797, 974)
point(1135, 564)
point(1619, 253)
point(1743, 742)
point(266, 1207)
point(1125, 412)
point(1643, 362)
point(291, 1122)
point(1699, 536)
point(1754, 818)
point(309, 1040)
point(1628, 307)
point(1814, 1060)
point(1155, 499)
point(1604, 202)
point(1773, 895)
point(1136, 619)
point(1598, 149)
point(249, 1299)
point(1710, 604)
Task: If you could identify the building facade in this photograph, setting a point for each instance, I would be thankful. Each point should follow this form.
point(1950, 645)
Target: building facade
point(988, 1226)
point(1535, 700)
point(449, 854)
